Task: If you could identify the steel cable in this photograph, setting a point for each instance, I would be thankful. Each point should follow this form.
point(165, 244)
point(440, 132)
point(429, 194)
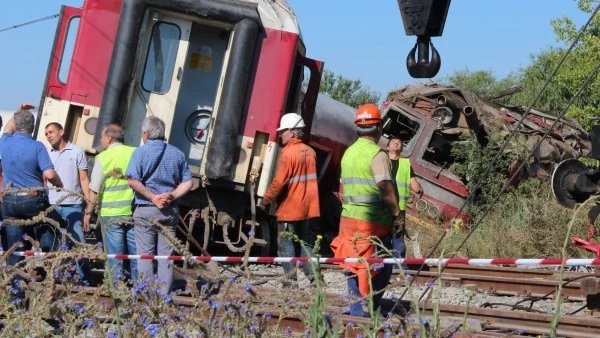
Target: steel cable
point(49, 17)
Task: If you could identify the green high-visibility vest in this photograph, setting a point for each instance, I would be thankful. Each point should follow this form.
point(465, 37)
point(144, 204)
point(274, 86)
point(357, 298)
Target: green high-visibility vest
point(116, 196)
point(403, 182)
point(361, 195)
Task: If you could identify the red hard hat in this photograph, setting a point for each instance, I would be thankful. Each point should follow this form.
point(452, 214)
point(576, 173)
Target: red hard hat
point(367, 115)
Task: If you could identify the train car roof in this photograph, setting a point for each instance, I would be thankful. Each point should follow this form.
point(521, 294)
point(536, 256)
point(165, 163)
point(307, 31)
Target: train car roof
point(334, 120)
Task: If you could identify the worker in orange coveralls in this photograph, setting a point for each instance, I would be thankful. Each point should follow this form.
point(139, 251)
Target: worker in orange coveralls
point(370, 208)
point(295, 190)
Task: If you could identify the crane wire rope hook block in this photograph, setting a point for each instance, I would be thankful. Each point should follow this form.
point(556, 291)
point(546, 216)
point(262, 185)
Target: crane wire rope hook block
point(422, 67)
point(424, 19)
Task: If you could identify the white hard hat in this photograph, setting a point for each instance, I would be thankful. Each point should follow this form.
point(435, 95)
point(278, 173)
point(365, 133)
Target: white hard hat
point(291, 121)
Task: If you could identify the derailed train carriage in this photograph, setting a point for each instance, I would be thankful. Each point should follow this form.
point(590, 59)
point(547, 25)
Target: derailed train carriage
point(430, 118)
point(220, 74)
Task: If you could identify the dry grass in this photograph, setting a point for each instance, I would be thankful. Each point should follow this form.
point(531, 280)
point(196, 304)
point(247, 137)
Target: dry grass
point(526, 223)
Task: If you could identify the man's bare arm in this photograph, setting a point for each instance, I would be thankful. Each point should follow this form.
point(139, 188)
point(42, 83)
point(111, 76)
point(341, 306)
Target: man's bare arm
point(388, 196)
point(84, 180)
point(182, 189)
point(53, 178)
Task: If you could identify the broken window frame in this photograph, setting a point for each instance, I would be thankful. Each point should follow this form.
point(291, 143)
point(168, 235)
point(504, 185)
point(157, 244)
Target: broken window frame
point(407, 148)
point(437, 170)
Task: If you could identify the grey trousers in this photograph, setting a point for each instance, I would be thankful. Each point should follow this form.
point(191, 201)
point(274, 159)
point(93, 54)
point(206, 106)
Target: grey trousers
point(149, 241)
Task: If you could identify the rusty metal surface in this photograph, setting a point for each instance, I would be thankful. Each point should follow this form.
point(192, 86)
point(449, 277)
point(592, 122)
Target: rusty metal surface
point(531, 323)
point(431, 118)
point(568, 140)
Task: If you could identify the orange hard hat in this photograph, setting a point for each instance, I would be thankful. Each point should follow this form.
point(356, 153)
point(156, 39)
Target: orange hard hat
point(367, 115)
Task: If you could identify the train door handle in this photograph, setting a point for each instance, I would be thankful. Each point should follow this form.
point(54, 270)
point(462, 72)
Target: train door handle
point(179, 71)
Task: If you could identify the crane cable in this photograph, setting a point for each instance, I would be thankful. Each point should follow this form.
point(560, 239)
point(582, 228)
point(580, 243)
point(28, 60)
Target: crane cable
point(49, 17)
point(501, 150)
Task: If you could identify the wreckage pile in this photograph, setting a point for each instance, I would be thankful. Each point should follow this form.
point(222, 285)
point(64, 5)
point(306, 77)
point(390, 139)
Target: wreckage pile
point(458, 112)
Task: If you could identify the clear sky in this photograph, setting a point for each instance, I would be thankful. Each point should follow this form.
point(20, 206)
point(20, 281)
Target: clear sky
point(357, 39)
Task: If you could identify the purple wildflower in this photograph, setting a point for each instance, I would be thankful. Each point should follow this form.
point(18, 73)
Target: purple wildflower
point(248, 287)
point(153, 330)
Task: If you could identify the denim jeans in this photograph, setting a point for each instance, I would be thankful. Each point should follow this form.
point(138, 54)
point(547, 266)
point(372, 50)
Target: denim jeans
point(25, 208)
point(378, 282)
point(399, 250)
point(287, 247)
point(73, 214)
point(120, 239)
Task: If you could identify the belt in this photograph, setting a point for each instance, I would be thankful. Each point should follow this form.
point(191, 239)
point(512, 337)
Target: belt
point(31, 193)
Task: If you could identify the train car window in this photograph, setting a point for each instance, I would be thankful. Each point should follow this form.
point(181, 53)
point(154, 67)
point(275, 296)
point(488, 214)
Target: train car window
point(323, 156)
point(160, 59)
point(68, 48)
point(438, 150)
point(404, 126)
point(291, 101)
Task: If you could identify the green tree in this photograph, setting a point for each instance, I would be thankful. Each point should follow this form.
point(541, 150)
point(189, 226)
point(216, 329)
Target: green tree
point(582, 60)
point(351, 92)
point(480, 82)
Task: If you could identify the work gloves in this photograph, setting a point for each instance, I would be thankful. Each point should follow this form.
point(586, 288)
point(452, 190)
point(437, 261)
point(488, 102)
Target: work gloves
point(399, 225)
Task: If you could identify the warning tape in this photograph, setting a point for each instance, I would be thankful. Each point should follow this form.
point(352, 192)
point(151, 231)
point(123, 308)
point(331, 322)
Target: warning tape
point(338, 260)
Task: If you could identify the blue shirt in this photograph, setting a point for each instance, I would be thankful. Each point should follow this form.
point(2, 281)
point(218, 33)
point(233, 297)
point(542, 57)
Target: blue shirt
point(172, 170)
point(24, 160)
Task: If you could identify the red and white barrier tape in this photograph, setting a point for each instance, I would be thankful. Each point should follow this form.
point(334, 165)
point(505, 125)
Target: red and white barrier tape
point(411, 261)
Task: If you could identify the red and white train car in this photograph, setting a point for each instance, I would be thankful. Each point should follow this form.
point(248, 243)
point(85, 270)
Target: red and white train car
point(219, 73)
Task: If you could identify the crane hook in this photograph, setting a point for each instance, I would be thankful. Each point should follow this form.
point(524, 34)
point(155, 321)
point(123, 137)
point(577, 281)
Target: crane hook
point(423, 68)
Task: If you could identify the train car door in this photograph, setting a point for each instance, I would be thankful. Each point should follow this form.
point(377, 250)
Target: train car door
point(160, 67)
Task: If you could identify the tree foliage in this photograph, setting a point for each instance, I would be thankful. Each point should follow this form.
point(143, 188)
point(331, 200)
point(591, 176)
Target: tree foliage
point(480, 82)
point(580, 63)
point(351, 92)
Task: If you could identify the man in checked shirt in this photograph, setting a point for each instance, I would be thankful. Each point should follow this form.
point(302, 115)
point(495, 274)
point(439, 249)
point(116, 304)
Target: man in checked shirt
point(159, 175)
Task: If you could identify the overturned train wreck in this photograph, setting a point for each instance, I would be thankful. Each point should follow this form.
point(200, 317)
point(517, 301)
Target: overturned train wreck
point(429, 118)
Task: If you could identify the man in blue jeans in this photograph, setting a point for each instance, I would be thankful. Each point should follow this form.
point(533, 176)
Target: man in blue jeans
point(110, 188)
point(71, 165)
point(25, 165)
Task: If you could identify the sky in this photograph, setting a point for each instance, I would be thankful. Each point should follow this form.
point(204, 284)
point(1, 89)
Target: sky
point(357, 39)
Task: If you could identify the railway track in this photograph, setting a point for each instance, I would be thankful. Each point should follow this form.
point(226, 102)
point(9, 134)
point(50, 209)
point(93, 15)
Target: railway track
point(483, 322)
point(501, 280)
point(288, 308)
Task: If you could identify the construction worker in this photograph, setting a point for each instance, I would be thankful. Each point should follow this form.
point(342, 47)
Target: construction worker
point(370, 209)
point(404, 179)
point(295, 190)
point(115, 199)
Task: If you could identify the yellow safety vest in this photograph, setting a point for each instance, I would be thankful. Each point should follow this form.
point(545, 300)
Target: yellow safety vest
point(116, 196)
point(403, 182)
point(361, 195)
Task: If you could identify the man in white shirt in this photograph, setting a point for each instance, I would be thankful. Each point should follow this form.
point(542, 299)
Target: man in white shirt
point(71, 165)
